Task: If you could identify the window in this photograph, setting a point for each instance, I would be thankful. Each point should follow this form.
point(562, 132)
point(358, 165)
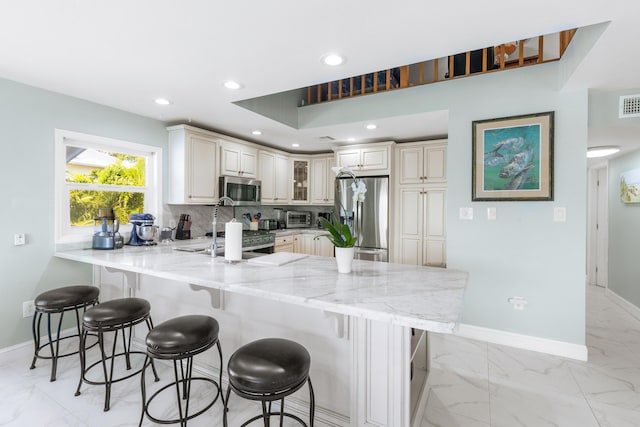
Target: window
point(94, 172)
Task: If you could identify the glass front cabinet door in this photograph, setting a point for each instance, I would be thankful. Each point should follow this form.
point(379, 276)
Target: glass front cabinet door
point(300, 193)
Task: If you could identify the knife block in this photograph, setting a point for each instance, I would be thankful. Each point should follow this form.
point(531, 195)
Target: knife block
point(183, 231)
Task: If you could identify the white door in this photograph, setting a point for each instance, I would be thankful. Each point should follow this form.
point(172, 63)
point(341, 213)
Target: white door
point(602, 234)
point(597, 227)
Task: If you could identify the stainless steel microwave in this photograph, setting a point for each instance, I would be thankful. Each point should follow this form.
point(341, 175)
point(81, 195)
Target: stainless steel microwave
point(243, 191)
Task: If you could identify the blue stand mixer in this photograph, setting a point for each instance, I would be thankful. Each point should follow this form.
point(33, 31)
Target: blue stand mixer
point(142, 231)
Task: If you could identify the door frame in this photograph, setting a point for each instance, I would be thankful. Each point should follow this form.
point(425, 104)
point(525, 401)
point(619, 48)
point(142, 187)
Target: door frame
point(597, 226)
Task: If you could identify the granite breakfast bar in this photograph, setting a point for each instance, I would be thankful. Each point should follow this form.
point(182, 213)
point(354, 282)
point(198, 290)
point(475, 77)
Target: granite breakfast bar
point(366, 316)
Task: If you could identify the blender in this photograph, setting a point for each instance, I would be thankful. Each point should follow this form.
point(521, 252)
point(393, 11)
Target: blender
point(106, 226)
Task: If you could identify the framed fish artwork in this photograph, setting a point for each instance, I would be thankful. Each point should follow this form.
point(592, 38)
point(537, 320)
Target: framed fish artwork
point(513, 158)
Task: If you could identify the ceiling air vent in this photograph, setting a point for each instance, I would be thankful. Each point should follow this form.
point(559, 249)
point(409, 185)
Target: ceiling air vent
point(629, 106)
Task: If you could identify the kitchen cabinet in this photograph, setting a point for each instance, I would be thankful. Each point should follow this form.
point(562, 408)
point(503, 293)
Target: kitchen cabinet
point(300, 183)
point(193, 177)
point(420, 208)
point(322, 180)
point(422, 163)
point(421, 226)
point(274, 174)
point(284, 244)
point(366, 159)
point(297, 244)
point(238, 160)
point(306, 243)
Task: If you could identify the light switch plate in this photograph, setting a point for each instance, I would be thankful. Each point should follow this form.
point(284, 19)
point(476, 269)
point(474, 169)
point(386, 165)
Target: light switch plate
point(491, 214)
point(559, 214)
point(466, 213)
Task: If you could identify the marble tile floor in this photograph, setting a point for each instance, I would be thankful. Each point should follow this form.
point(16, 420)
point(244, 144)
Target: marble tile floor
point(472, 384)
point(476, 384)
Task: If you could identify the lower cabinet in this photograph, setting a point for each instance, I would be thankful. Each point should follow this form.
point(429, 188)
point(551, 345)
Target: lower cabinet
point(284, 244)
point(422, 226)
point(306, 243)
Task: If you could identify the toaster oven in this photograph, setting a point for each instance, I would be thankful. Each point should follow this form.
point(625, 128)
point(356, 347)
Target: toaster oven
point(298, 219)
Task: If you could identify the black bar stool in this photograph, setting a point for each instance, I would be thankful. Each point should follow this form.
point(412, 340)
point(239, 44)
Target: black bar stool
point(59, 301)
point(266, 370)
point(113, 316)
point(178, 339)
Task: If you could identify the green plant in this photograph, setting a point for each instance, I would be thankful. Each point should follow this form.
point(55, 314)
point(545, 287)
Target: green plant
point(339, 234)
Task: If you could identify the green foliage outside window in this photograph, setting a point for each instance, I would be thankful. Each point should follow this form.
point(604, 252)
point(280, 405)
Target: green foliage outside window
point(84, 204)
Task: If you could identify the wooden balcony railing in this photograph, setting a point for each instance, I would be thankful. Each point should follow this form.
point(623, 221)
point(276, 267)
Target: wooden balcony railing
point(537, 50)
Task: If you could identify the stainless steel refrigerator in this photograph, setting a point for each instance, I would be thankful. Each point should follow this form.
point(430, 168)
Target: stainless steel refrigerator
point(372, 220)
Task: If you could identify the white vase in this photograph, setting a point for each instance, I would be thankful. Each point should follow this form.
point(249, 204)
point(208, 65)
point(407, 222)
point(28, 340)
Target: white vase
point(344, 258)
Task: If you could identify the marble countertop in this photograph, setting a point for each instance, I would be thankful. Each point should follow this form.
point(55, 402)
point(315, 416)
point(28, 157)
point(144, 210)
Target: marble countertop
point(420, 297)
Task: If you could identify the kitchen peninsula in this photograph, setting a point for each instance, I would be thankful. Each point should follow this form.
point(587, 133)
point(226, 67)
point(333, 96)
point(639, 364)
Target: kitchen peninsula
point(357, 326)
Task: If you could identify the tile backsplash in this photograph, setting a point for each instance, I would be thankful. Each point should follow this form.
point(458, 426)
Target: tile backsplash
point(202, 216)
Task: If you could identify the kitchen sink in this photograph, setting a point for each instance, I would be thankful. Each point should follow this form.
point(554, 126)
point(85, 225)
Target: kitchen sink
point(206, 250)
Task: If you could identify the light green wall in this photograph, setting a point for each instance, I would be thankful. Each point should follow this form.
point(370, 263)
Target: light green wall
point(624, 234)
point(523, 253)
point(28, 117)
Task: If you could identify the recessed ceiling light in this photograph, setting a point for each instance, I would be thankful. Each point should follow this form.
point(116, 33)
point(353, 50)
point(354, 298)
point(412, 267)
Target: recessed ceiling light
point(333, 59)
point(256, 132)
point(602, 151)
point(295, 145)
point(230, 84)
point(371, 126)
point(351, 139)
point(162, 101)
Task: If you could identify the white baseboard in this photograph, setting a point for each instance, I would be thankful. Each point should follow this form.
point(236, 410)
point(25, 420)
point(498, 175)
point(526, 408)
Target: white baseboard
point(626, 305)
point(526, 342)
point(17, 347)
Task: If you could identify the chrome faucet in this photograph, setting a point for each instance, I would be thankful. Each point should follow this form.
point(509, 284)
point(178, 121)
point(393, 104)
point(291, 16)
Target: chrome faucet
point(214, 242)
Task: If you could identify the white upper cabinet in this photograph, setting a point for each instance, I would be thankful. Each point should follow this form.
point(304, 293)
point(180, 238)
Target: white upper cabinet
point(422, 163)
point(238, 160)
point(372, 158)
point(274, 174)
point(322, 180)
point(193, 177)
point(300, 182)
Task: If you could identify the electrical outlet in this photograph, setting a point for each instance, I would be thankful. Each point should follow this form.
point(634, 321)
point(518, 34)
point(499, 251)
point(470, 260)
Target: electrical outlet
point(518, 302)
point(19, 239)
point(28, 308)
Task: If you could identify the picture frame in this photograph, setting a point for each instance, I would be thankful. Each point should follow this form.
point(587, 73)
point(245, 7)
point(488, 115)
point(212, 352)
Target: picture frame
point(513, 158)
point(630, 186)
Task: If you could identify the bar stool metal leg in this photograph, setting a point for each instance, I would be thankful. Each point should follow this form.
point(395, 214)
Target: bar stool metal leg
point(179, 340)
point(58, 301)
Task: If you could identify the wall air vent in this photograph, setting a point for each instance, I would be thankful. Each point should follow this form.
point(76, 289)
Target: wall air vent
point(629, 106)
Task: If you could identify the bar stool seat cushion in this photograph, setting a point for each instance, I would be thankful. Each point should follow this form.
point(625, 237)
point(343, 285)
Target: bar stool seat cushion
point(268, 366)
point(183, 335)
point(68, 296)
point(116, 312)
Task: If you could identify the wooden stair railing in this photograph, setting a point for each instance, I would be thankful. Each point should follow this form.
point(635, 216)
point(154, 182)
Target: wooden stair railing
point(492, 59)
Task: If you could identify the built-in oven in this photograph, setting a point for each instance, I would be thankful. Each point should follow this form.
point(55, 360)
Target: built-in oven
point(243, 191)
point(298, 219)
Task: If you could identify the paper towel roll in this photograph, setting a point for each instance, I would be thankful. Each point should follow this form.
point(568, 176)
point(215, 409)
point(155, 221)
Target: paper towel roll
point(233, 241)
